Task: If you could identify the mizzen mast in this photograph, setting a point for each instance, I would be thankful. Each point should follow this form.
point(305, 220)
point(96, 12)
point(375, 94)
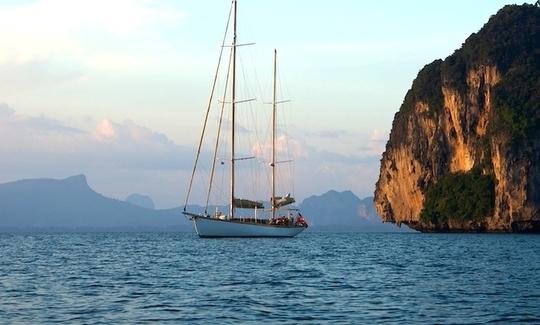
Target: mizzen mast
point(273, 164)
point(282, 200)
point(233, 104)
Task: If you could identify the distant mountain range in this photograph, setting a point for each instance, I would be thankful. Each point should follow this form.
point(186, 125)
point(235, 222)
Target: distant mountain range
point(70, 204)
point(343, 211)
point(141, 200)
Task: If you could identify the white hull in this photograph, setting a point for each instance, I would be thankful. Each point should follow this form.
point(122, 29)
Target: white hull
point(210, 227)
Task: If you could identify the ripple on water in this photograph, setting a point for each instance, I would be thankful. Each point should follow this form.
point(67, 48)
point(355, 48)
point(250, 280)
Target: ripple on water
point(331, 278)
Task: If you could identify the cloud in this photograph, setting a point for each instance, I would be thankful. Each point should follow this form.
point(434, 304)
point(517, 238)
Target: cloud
point(49, 33)
point(379, 135)
point(129, 145)
point(31, 75)
point(296, 147)
point(105, 130)
point(35, 124)
point(126, 157)
point(351, 159)
point(286, 145)
point(376, 143)
point(6, 111)
point(59, 18)
point(42, 123)
point(119, 158)
point(337, 165)
point(330, 133)
point(128, 132)
point(126, 144)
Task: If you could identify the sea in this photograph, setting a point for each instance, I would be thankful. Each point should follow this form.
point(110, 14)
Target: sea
point(315, 278)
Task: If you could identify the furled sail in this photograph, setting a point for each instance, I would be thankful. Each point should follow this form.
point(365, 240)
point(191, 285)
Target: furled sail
point(247, 204)
point(281, 201)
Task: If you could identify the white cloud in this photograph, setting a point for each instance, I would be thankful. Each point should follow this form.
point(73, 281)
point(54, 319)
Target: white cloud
point(377, 142)
point(108, 143)
point(32, 75)
point(286, 145)
point(125, 155)
point(61, 28)
point(119, 157)
point(330, 133)
point(6, 111)
point(31, 125)
point(105, 130)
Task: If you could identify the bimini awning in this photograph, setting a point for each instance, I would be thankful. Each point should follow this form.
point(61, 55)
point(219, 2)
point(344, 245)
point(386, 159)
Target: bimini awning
point(281, 201)
point(247, 204)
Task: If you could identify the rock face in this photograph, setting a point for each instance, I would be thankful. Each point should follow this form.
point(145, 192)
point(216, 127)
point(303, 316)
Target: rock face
point(479, 109)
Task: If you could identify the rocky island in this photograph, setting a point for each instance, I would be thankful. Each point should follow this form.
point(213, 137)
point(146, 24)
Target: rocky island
point(464, 150)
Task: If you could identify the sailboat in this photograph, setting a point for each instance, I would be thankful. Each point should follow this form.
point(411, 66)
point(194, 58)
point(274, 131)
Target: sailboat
point(284, 220)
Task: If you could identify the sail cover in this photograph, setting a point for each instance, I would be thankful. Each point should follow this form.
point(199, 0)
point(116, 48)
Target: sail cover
point(247, 204)
point(281, 201)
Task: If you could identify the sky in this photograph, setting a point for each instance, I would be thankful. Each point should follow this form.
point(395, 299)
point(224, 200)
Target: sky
point(117, 90)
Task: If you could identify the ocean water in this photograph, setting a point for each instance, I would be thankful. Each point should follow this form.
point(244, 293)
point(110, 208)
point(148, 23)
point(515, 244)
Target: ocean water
point(106, 278)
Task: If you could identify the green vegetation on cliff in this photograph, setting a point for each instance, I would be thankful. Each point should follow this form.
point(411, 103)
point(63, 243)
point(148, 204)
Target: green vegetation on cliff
point(459, 197)
point(511, 42)
point(426, 88)
point(517, 100)
point(491, 86)
point(506, 41)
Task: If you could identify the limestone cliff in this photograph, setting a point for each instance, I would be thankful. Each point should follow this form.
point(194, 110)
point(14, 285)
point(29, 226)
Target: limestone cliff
point(475, 113)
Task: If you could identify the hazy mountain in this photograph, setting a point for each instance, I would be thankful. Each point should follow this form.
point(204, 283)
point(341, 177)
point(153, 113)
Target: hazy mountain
point(71, 203)
point(141, 200)
point(343, 211)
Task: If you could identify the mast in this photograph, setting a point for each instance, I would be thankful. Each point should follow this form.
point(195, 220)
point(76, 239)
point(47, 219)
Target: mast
point(233, 109)
point(273, 164)
point(207, 112)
